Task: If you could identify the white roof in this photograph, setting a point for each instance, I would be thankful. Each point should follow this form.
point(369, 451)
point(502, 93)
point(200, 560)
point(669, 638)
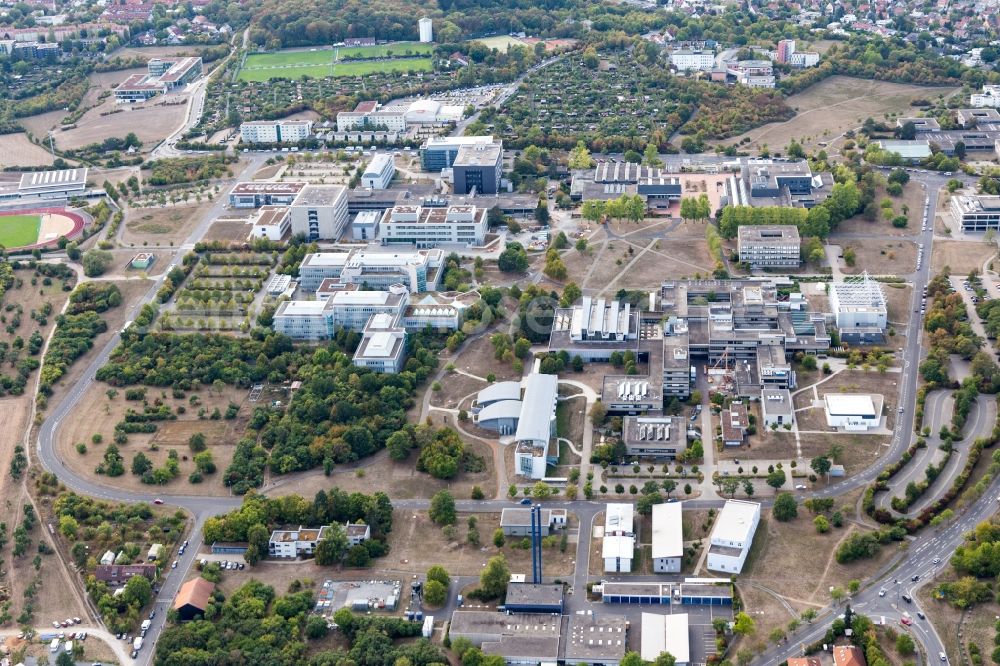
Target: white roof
point(736, 521)
point(61, 178)
point(376, 166)
point(668, 531)
point(502, 409)
point(326, 259)
point(665, 633)
point(850, 404)
point(500, 391)
point(302, 308)
point(618, 547)
point(540, 395)
point(359, 298)
point(380, 345)
point(618, 518)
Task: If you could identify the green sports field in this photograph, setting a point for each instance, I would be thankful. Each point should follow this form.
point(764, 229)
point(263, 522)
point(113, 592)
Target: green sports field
point(319, 63)
point(19, 230)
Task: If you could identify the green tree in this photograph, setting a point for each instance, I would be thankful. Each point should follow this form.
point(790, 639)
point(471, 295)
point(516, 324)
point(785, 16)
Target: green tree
point(494, 578)
point(821, 465)
point(651, 156)
point(435, 593)
point(905, 645)
point(334, 546)
point(776, 479)
point(438, 573)
point(96, 262)
point(579, 157)
point(442, 510)
point(785, 507)
point(744, 624)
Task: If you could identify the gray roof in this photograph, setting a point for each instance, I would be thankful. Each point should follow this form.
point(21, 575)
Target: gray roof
point(499, 391)
point(529, 594)
point(503, 409)
point(539, 404)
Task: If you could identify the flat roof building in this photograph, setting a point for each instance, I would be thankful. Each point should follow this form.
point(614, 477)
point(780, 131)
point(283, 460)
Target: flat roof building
point(275, 131)
point(853, 412)
point(383, 344)
point(912, 150)
point(516, 521)
point(665, 633)
point(295, 543)
point(668, 538)
point(732, 536)
point(654, 436)
point(53, 184)
point(859, 309)
point(163, 75)
point(769, 246)
point(976, 212)
point(255, 195)
point(618, 547)
point(319, 212)
point(439, 152)
point(379, 173)
point(777, 407)
point(532, 598)
point(272, 222)
point(429, 227)
point(478, 168)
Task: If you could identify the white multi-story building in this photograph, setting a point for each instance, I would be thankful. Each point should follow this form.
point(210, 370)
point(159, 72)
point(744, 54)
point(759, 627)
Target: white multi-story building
point(426, 30)
point(348, 309)
point(769, 245)
point(272, 223)
point(685, 60)
point(853, 412)
point(295, 543)
point(425, 227)
point(618, 546)
point(379, 172)
point(276, 131)
point(668, 538)
point(368, 115)
point(383, 345)
point(320, 212)
point(989, 98)
point(536, 426)
point(732, 536)
point(418, 270)
point(859, 307)
point(752, 73)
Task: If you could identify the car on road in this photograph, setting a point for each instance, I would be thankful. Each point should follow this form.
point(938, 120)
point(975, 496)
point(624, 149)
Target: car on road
point(905, 621)
point(942, 656)
point(907, 598)
point(800, 487)
point(881, 592)
point(174, 565)
point(914, 578)
point(157, 501)
point(921, 615)
point(937, 560)
point(525, 501)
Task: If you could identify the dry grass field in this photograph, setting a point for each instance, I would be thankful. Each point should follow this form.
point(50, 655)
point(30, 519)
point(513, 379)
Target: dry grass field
point(961, 257)
point(18, 150)
point(228, 230)
point(881, 257)
point(156, 51)
point(161, 226)
point(831, 107)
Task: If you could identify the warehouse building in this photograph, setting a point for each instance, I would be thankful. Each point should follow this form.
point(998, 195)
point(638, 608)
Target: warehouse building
point(668, 538)
point(732, 536)
point(532, 598)
point(769, 246)
point(275, 131)
point(319, 212)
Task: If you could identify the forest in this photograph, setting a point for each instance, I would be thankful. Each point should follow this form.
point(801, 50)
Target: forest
point(340, 414)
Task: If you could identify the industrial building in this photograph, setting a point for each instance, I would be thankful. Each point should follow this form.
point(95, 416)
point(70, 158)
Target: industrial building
point(690, 592)
point(439, 152)
point(275, 131)
point(618, 547)
point(162, 75)
point(732, 536)
point(534, 598)
point(777, 407)
point(478, 168)
point(666, 633)
point(853, 412)
point(769, 246)
point(255, 195)
point(654, 436)
point(536, 426)
point(976, 212)
point(424, 227)
point(319, 212)
point(668, 538)
point(774, 182)
point(295, 543)
point(379, 172)
point(383, 344)
point(859, 309)
point(59, 184)
point(626, 394)
point(516, 521)
point(361, 596)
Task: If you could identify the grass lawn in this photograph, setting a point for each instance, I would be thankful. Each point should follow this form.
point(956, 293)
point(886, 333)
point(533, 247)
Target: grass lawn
point(19, 230)
point(258, 72)
point(500, 42)
point(396, 49)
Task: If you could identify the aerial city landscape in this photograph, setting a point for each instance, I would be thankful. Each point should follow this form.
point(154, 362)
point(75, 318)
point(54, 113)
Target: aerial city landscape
point(500, 333)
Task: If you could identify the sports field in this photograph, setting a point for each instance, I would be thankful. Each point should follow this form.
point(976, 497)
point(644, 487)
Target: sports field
point(500, 42)
point(319, 63)
point(19, 230)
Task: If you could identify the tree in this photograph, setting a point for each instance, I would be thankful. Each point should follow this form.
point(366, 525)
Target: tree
point(442, 509)
point(438, 573)
point(316, 627)
point(598, 412)
point(822, 524)
point(776, 479)
point(669, 486)
point(95, 262)
point(138, 591)
point(334, 546)
point(141, 464)
point(579, 157)
point(590, 59)
point(197, 442)
point(494, 578)
point(435, 593)
point(821, 465)
point(729, 485)
point(541, 490)
point(785, 507)
point(837, 594)
point(665, 659)
point(651, 156)
point(744, 624)
point(905, 645)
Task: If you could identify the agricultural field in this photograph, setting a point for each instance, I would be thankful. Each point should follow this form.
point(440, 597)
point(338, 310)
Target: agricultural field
point(829, 108)
point(16, 150)
point(321, 63)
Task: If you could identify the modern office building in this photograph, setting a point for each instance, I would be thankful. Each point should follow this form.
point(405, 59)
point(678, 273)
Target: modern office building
point(319, 212)
point(668, 538)
point(733, 535)
point(418, 270)
point(162, 75)
point(769, 246)
point(859, 308)
point(976, 212)
point(255, 195)
point(430, 227)
point(379, 172)
point(383, 345)
point(295, 543)
point(426, 30)
point(478, 168)
point(364, 226)
point(349, 309)
point(853, 412)
point(536, 426)
point(752, 73)
point(777, 407)
point(272, 223)
point(685, 60)
point(439, 152)
point(275, 131)
point(655, 436)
